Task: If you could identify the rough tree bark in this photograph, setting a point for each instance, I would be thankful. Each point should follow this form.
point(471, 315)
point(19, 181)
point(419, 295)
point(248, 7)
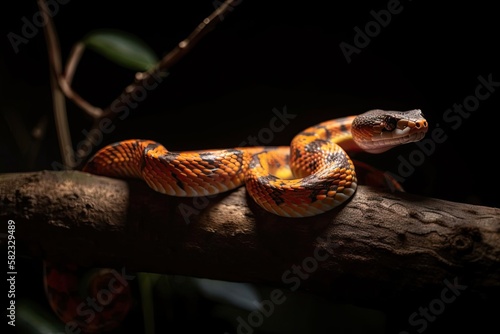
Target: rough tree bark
point(375, 248)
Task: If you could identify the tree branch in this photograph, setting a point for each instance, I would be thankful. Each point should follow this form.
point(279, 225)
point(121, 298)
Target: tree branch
point(59, 102)
point(377, 247)
point(61, 81)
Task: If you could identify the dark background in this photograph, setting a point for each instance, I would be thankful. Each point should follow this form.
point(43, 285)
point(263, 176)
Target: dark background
point(266, 55)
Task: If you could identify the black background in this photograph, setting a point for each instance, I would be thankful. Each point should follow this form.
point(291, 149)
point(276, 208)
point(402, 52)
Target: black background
point(267, 55)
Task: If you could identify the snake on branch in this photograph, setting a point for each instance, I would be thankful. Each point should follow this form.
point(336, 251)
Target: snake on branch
point(311, 176)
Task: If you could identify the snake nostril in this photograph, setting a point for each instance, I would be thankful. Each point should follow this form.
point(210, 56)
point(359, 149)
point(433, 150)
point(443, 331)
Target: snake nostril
point(422, 124)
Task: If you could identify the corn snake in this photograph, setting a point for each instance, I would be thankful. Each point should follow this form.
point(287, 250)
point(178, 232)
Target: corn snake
point(311, 176)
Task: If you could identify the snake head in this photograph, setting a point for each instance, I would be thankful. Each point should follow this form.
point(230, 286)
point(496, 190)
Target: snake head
point(377, 131)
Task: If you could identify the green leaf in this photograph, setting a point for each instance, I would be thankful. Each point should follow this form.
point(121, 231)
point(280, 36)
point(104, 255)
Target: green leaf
point(242, 295)
point(146, 286)
point(33, 319)
point(122, 48)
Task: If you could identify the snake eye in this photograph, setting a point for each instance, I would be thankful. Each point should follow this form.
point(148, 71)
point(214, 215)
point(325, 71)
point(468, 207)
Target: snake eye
point(390, 123)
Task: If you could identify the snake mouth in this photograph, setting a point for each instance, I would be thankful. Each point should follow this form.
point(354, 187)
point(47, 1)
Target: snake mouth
point(386, 141)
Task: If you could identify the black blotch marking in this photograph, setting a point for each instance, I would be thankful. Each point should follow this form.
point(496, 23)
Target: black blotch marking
point(239, 157)
point(308, 133)
point(339, 158)
point(150, 147)
point(276, 194)
point(318, 186)
point(168, 158)
point(312, 165)
point(135, 145)
point(343, 128)
point(254, 162)
point(239, 153)
point(328, 134)
point(314, 146)
point(210, 158)
point(177, 181)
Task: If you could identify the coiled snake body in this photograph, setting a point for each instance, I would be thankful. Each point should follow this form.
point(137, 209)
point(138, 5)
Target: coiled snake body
point(313, 175)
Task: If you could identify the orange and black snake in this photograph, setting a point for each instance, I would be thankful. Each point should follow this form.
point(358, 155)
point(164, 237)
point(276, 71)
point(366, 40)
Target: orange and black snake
point(311, 176)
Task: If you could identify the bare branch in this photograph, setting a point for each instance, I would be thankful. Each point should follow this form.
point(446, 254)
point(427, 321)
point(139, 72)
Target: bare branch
point(170, 58)
point(66, 79)
point(55, 66)
point(61, 82)
point(378, 247)
point(91, 110)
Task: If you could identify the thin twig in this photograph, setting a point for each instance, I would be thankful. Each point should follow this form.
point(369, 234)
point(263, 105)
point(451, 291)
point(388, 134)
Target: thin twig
point(55, 66)
point(198, 33)
point(171, 58)
point(73, 60)
point(160, 70)
point(66, 79)
point(91, 110)
point(61, 82)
